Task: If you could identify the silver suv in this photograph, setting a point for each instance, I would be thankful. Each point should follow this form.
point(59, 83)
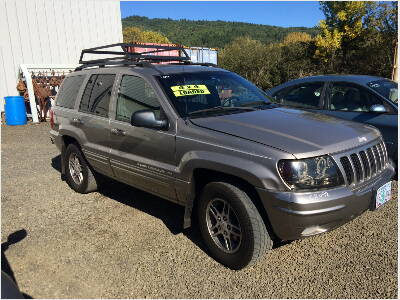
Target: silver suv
point(252, 172)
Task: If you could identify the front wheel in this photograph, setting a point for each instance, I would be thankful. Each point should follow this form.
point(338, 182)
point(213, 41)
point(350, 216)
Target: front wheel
point(231, 226)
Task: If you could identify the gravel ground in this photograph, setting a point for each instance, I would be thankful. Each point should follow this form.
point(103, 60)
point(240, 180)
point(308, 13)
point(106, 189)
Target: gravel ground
point(124, 243)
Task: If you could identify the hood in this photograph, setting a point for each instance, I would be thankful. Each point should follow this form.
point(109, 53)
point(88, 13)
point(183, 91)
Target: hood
point(301, 133)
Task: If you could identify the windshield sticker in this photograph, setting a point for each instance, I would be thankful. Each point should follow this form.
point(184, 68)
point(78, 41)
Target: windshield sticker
point(190, 90)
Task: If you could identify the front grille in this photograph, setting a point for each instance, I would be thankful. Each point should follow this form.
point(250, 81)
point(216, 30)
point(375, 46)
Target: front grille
point(377, 157)
point(357, 167)
point(364, 164)
point(347, 169)
point(371, 159)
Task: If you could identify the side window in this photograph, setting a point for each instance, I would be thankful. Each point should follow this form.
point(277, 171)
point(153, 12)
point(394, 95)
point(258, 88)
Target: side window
point(97, 94)
point(306, 95)
point(348, 97)
point(69, 90)
point(135, 94)
point(278, 96)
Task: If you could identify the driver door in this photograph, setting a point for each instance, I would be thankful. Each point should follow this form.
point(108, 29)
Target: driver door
point(141, 157)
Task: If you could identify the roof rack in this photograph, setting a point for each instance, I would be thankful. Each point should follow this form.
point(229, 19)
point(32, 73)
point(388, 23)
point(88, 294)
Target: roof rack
point(125, 57)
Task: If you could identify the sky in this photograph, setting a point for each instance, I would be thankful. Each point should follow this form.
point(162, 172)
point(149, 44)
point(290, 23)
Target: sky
point(278, 13)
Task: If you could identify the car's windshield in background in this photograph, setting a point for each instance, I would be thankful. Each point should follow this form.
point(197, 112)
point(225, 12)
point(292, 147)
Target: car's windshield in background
point(386, 88)
point(199, 91)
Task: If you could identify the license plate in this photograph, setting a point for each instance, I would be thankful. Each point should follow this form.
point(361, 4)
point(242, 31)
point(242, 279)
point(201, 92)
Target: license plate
point(383, 194)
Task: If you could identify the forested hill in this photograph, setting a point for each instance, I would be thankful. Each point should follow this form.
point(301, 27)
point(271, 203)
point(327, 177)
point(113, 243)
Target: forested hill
point(214, 34)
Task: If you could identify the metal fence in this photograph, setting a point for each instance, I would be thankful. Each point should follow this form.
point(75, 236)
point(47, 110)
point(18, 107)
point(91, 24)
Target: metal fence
point(202, 55)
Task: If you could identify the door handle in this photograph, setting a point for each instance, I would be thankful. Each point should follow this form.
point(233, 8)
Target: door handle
point(76, 121)
point(117, 131)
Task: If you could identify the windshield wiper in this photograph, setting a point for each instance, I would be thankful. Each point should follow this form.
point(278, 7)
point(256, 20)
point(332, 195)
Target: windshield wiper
point(258, 104)
point(220, 108)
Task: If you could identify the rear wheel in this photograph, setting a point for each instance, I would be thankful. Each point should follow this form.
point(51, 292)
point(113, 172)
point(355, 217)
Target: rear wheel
point(79, 175)
point(231, 226)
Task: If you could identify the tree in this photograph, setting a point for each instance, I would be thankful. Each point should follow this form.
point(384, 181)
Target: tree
point(297, 37)
point(328, 44)
point(132, 34)
point(386, 17)
point(297, 51)
point(356, 32)
point(382, 36)
point(344, 24)
point(253, 60)
point(213, 34)
point(135, 34)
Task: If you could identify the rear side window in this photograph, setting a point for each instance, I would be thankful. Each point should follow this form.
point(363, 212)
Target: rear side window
point(69, 90)
point(350, 97)
point(97, 94)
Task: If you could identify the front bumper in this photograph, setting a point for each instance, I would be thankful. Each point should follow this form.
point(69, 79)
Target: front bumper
point(298, 215)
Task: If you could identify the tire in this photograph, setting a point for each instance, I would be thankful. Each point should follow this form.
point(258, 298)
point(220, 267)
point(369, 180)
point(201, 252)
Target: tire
point(244, 230)
point(85, 182)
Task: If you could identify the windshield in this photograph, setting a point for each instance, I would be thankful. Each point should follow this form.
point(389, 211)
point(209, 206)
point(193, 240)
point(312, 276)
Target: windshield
point(203, 91)
point(386, 88)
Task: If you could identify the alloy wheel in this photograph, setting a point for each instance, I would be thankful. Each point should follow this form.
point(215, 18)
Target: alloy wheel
point(75, 168)
point(223, 225)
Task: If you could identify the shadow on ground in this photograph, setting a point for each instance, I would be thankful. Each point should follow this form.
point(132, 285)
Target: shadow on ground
point(13, 238)
point(169, 213)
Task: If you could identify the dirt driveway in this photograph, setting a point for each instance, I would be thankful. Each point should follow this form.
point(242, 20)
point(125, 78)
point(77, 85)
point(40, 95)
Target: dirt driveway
point(124, 243)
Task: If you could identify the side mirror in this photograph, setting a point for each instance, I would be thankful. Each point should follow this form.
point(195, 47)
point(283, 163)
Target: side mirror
point(378, 108)
point(146, 118)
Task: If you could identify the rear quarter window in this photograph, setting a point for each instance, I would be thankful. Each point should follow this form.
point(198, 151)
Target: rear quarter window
point(69, 91)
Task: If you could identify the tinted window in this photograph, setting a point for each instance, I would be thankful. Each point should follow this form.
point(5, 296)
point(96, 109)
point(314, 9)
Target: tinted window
point(348, 97)
point(135, 94)
point(97, 94)
point(68, 91)
point(303, 96)
point(386, 88)
point(190, 92)
point(278, 96)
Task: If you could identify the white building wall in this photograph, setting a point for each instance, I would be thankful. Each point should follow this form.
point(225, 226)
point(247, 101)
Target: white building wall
point(52, 32)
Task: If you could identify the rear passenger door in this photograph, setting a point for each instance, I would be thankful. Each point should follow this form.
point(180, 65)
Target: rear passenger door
point(142, 157)
point(92, 121)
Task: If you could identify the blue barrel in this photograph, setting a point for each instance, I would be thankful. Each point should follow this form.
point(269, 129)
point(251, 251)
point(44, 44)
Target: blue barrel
point(15, 111)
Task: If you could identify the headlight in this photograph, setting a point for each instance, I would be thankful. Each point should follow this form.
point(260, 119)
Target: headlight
point(310, 173)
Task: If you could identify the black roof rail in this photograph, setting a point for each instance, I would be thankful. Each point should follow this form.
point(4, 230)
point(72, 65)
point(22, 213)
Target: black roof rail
point(202, 64)
point(127, 58)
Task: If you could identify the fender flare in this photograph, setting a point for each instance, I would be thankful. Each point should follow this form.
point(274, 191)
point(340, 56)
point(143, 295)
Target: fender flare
point(65, 133)
point(246, 170)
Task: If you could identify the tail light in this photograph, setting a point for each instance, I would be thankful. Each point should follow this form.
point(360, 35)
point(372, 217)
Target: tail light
point(51, 119)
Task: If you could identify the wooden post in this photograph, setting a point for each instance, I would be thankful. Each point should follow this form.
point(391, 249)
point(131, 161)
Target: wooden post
point(395, 68)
